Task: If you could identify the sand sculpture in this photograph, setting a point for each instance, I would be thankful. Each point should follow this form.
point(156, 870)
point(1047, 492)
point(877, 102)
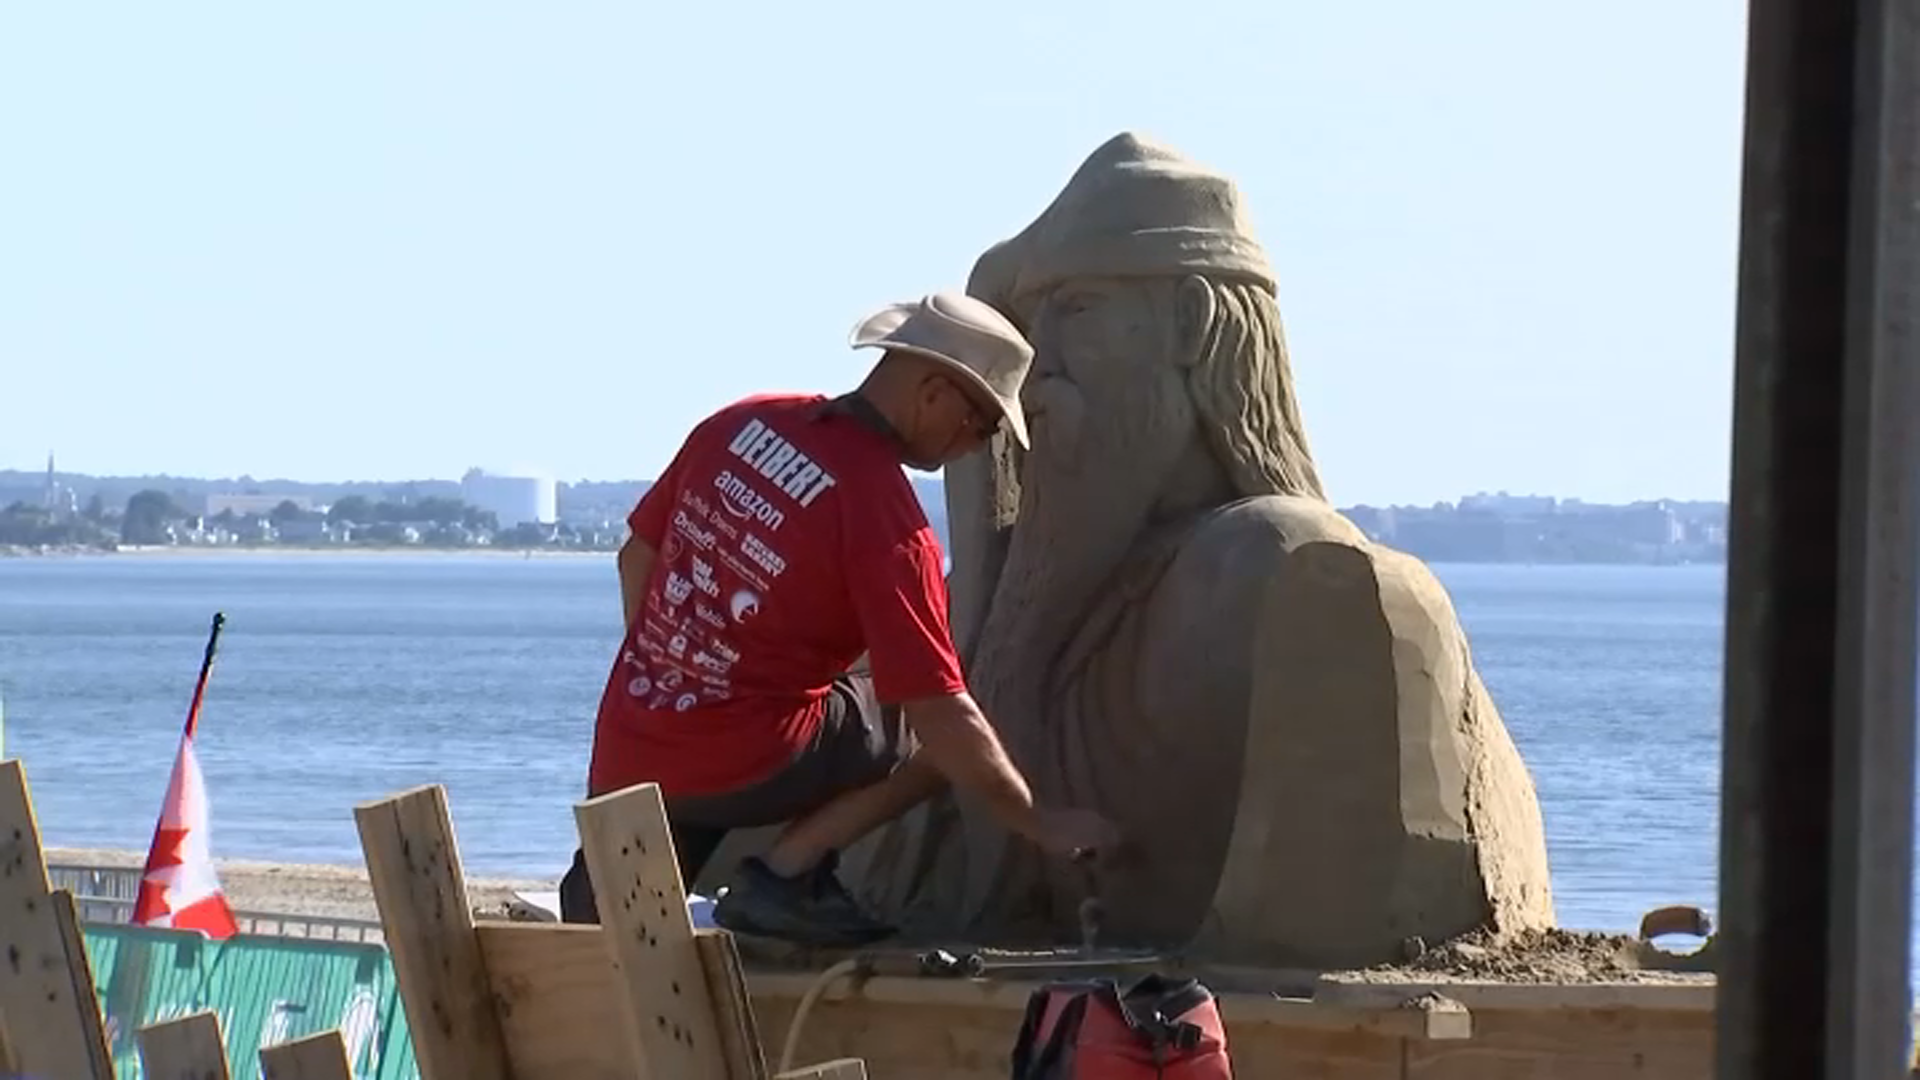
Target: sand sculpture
point(1168, 621)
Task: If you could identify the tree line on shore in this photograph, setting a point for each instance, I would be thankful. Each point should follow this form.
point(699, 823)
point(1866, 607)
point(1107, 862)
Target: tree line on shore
point(152, 516)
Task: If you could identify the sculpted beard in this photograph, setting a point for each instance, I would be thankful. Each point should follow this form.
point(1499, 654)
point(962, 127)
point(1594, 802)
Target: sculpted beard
point(1101, 453)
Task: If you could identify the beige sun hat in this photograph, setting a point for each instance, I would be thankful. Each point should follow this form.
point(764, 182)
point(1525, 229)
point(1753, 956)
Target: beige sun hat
point(966, 335)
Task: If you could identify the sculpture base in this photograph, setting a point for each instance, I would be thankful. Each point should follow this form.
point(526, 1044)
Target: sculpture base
point(1343, 1026)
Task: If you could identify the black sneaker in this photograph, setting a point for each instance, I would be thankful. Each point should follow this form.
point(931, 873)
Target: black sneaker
point(810, 909)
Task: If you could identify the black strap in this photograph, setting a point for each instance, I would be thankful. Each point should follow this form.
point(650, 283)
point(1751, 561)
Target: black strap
point(1029, 1031)
point(1027, 1065)
point(1152, 1009)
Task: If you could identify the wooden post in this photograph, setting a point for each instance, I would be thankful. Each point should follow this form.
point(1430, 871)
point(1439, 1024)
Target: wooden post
point(316, 1057)
point(9, 1062)
point(732, 1010)
point(421, 893)
point(46, 988)
point(649, 935)
point(188, 1048)
point(1817, 782)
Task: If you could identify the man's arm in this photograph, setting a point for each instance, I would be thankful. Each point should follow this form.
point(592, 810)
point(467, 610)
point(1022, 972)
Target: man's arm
point(636, 563)
point(962, 745)
point(900, 596)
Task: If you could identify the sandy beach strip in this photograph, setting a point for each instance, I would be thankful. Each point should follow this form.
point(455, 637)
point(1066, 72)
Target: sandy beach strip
point(189, 551)
point(338, 892)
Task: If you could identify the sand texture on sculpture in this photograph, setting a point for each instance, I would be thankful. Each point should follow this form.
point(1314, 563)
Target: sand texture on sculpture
point(1168, 621)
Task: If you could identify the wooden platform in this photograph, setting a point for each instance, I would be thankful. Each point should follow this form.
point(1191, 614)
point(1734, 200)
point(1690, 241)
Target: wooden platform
point(553, 1000)
point(649, 996)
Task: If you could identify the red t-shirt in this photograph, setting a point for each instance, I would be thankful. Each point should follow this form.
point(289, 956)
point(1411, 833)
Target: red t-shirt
point(788, 541)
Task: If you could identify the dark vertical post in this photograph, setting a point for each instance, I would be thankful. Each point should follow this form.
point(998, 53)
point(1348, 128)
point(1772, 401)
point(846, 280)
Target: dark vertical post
point(1817, 821)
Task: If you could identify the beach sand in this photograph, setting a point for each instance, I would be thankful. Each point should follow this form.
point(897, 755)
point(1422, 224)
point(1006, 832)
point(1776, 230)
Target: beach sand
point(340, 892)
point(188, 551)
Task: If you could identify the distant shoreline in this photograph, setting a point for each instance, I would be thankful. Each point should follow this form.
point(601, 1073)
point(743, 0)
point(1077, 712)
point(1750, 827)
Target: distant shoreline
point(164, 551)
point(416, 552)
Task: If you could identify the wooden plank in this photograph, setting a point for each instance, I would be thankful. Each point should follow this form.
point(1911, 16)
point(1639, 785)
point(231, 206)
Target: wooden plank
point(188, 1048)
point(1689, 995)
point(93, 1029)
point(321, 1056)
point(560, 1013)
point(842, 1069)
point(1420, 1017)
point(649, 934)
point(426, 918)
point(52, 1015)
point(732, 1012)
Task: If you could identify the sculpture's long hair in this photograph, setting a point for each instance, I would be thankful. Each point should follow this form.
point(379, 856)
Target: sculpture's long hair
point(1242, 386)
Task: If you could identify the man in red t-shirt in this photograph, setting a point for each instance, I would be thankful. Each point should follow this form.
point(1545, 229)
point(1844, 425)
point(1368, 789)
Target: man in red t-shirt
point(782, 544)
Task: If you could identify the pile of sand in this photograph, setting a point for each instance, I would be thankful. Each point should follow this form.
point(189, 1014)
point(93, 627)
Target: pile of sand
point(1530, 956)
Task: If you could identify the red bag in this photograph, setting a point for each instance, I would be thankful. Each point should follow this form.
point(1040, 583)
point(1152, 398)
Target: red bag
point(1157, 1029)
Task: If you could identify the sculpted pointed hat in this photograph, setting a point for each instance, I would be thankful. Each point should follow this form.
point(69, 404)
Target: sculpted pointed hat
point(1133, 209)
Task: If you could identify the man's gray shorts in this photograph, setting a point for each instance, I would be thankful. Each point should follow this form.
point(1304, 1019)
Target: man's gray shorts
point(859, 743)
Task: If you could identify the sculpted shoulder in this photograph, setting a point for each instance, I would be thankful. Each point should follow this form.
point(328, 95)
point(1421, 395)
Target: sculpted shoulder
point(1251, 535)
point(1209, 593)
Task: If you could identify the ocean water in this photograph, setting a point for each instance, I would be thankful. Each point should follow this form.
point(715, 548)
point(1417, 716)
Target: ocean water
point(342, 679)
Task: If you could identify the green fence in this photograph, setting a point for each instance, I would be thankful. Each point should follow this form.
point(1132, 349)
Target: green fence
point(266, 990)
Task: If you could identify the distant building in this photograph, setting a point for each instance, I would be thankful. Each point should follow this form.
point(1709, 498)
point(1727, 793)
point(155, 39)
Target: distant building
point(59, 499)
point(514, 498)
point(1503, 503)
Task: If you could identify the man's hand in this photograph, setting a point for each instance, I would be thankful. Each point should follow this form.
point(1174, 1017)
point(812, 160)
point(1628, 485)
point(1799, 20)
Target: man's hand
point(959, 742)
point(1071, 832)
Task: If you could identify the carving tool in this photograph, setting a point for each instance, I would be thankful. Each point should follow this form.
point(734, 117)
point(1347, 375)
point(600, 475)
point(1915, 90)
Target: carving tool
point(1092, 912)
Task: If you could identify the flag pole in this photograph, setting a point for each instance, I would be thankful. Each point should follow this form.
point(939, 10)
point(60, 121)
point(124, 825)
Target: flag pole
point(206, 668)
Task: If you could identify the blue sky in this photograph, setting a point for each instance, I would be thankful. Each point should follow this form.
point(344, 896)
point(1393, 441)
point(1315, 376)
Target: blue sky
point(389, 241)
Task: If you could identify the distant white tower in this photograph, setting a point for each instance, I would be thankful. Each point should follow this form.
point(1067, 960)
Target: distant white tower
point(51, 496)
point(516, 498)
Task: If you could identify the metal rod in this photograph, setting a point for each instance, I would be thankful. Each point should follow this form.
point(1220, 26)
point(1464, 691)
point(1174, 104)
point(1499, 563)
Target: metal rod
point(1817, 799)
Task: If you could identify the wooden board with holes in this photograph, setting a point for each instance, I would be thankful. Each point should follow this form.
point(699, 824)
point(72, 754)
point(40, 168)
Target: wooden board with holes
point(46, 984)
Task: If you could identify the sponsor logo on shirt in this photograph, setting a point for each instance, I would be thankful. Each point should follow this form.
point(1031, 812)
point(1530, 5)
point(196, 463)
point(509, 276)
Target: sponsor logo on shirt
point(703, 577)
point(689, 528)
point(678, 588)
point(762, 556)
point(739, 498)
point(744, 604)
point(797, 476)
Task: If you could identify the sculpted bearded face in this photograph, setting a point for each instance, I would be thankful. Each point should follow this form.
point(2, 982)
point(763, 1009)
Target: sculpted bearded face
point(1112, 424)
point(1151, 398)
point(1104, 364)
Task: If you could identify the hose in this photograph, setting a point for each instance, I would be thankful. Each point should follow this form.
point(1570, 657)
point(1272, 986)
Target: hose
point(800, 1011)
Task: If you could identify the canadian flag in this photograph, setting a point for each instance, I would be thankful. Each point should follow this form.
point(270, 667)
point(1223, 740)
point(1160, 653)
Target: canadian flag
point(179, 888)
